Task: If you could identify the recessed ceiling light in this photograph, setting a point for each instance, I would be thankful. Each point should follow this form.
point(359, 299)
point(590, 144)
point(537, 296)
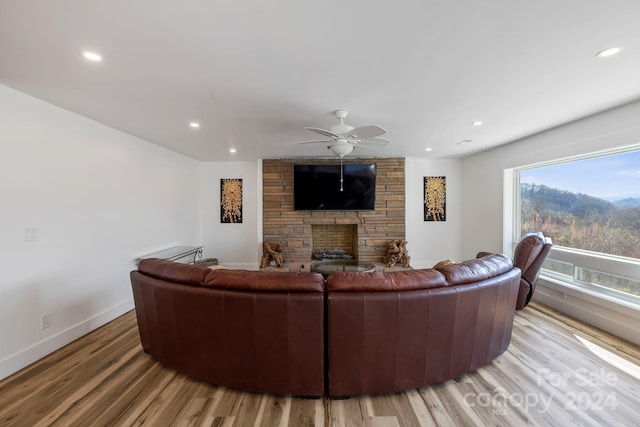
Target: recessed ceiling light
point(609, 52)
point(477, 123)
point(232, 150)
point(92, 56)
point(464, 141)
point(428, 149)
point(194, 124)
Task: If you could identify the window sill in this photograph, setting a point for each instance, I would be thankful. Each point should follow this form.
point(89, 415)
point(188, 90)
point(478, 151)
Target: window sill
point(597, 293)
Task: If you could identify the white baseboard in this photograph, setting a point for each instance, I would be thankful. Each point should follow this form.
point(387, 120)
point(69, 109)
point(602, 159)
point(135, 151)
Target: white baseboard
point(20, 359)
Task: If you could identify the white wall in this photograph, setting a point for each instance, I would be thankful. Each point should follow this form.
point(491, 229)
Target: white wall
point(430, 242)
point(235, 245)
point(100, 198)
point(482, 184)
point(239, 245)
point(483, 226)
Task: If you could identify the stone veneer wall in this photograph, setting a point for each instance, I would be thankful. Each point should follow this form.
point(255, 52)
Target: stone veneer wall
point(375, 228)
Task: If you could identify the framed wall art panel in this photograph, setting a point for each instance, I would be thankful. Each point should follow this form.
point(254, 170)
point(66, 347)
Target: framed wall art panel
point(231, 201)
point(435, 198)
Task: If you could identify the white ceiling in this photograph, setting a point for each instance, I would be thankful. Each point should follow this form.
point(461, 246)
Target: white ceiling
point(254, 73)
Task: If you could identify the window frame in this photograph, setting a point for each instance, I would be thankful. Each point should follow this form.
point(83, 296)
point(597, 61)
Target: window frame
point(627, 268)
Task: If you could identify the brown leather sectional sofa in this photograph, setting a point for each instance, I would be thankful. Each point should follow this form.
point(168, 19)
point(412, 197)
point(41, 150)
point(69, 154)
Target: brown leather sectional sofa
point(358, 333)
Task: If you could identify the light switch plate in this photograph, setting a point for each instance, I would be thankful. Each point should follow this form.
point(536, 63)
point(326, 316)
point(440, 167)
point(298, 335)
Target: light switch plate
point(32, 234)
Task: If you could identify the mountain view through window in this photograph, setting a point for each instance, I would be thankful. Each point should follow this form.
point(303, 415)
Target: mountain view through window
point(590, 205)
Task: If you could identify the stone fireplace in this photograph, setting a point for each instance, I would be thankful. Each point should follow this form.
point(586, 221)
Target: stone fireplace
point(362, 234)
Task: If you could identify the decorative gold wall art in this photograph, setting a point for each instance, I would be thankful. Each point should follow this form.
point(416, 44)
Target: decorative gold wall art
point(231, 201)
point(435, 198)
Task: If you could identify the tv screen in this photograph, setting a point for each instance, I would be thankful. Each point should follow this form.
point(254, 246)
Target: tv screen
point(317, 187)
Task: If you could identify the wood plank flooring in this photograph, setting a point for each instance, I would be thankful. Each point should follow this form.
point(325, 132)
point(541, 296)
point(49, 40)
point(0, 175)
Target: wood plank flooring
point(556, 372)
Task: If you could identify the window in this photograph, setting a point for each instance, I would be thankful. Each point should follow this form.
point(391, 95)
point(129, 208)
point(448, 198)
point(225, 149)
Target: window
point(590, 207)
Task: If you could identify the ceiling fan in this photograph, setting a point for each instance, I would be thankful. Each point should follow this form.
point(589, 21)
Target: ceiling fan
point(344, 138)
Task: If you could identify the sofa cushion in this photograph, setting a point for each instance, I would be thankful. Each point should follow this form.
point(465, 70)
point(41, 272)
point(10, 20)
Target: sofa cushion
point(265, 280)
point(388, 281)
point(173, 271)
point(443, 263)
point(476, 269)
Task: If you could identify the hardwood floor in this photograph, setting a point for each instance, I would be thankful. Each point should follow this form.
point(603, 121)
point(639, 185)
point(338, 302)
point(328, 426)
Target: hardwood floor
point(556, 372)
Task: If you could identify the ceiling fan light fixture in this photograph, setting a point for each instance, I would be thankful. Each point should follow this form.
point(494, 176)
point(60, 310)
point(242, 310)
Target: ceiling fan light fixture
point(341, 150)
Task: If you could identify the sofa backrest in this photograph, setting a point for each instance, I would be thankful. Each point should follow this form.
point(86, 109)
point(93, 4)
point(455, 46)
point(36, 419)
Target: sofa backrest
point(529, 255)
point(470, 271)
point(248, 280)
point(477, 269)
point(176, 272)
point(388, 281)
point(265, 281)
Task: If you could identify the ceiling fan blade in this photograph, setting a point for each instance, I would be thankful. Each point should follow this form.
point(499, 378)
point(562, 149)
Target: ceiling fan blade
point(365, 132)
point(324, 141)
point(374, 142)
point(324, 132)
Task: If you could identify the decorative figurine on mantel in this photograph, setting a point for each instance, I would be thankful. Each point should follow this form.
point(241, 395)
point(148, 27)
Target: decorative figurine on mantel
point(396, 252)
point(272, 255)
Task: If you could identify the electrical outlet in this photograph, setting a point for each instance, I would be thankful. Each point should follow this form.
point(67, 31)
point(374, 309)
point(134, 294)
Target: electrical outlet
point(46, 320)
point(32, 234)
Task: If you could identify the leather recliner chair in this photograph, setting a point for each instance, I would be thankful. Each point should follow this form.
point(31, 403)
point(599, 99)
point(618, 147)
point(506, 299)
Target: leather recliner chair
point(529, 254)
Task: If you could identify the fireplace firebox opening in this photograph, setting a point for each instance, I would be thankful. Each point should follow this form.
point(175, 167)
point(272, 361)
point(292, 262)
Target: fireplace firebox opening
point(334, 241)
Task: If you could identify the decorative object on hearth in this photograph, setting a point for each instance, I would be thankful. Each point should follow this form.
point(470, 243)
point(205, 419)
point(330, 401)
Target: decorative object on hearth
point(344, 138)
point(231, 201)
point(272, 255)
point(397, 252)
point(435, 198)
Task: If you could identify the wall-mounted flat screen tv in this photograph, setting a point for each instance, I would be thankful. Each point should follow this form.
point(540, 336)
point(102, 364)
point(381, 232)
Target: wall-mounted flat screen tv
point(317, 187)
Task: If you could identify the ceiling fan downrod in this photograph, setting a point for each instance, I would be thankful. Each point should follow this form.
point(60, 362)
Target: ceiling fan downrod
point(341, 175)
